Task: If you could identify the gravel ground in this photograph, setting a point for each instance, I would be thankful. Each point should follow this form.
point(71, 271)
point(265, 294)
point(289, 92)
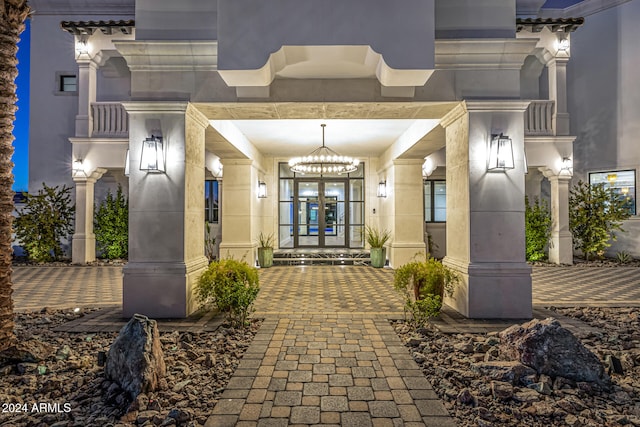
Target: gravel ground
point(69, 388)
point(475, 400)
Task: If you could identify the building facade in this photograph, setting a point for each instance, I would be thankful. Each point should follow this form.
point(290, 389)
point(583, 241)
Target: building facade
point(453, 109)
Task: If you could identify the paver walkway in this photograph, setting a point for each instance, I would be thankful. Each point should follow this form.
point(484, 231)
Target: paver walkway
point(326, 354)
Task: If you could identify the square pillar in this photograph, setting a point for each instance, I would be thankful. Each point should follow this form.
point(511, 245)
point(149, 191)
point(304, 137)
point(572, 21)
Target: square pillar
point(83, 244)
point(166, 212)
point(240, 216)
point(561, 245)
point(557, 68)
point(407, 211)
point(485, 212)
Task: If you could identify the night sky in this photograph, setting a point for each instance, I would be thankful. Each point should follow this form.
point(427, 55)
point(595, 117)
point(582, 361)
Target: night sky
point(21, 129)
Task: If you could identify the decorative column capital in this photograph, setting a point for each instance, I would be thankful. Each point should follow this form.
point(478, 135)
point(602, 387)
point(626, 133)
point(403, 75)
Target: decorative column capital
point(552, 175)
point(91, 178)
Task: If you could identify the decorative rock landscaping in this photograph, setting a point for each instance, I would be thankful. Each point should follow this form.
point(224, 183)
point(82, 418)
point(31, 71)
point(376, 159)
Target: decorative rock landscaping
point(68, 388)
point(481, 386)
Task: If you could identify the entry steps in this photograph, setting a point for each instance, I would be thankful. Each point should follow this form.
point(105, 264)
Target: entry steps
point(325, 256)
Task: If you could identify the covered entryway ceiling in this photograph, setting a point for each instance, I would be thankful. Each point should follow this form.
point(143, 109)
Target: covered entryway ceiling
point(356, 129)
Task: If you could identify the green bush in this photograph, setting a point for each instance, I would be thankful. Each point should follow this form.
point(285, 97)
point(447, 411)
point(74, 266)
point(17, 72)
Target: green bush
point(537, 228)
point(46, 219)
point(232, 286)
point(595, 213)
point(423, 285)
point(111, 226)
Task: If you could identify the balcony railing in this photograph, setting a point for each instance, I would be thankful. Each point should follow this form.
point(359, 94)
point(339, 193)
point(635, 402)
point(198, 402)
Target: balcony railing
point(110, 120)
point(538, 119)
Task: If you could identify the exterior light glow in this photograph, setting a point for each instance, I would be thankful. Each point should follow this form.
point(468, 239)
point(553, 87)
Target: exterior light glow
point(500, 153)
point(323, 160)
point(566, 166)
point(152, 159)
point(262, 190)
point(78, 168)
point(382, 189)
point(428, 167)
point(563, 45)
point(126, 164)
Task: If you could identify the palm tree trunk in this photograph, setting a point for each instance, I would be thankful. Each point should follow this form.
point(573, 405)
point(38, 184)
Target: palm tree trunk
point(13, 14)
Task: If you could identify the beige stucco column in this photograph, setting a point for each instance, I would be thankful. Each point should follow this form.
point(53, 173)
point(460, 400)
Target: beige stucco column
point(485, 212)
point(166, 212)
point(557, 68)
point(83, 244)
point(87, 71)
point(407, 211)
point(240, 216)
point(561, 245)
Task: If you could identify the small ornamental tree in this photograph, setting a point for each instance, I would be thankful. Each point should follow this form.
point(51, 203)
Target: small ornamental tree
point(537, 228)
point(46, 219)
point(595, 213)
point(111, 226)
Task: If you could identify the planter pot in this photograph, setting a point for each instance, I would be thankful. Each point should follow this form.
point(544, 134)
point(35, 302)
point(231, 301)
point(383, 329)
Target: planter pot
point(378, 257)
point(265, 257)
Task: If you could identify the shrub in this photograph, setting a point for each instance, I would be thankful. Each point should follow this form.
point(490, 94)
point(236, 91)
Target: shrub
point(45, 220)
point(111, 226)
point(423, 285)
point(232, 286)
point(595, 213)
point(537, 228)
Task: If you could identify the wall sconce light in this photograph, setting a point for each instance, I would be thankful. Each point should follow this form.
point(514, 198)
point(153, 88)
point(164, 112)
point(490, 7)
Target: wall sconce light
point(428, 167)
point(77, 169)
point(500, 153)
point(262, 190)
point(566, 166)
point(126, 164)
point(82, 45)
point(152, 159)
point(382, 189)
point(216, 169)
point(563, 45)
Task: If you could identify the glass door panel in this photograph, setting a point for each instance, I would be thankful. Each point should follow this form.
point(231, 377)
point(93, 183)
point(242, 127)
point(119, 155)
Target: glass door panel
point(335, 215)
point(308, 219)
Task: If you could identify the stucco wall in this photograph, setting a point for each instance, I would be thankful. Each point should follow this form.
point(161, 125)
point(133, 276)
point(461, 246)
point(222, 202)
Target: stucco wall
point(51, 113)
point(604, 101)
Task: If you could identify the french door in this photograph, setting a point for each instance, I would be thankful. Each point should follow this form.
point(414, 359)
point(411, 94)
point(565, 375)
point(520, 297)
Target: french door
point(322, 213)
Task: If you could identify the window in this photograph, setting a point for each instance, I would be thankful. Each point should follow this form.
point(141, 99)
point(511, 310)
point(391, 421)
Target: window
point(435, 201)
point(623, 183)
point(212, 201)
point(68, 83)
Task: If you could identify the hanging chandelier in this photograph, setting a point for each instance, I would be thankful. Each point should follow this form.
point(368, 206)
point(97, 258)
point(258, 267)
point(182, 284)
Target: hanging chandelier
point(323, 160)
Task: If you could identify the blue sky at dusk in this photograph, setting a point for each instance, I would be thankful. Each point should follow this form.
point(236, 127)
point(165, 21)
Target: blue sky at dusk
point(21, 125)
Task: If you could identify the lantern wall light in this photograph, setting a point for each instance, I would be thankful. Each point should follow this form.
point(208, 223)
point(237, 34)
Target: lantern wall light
point(566, 167)
point(77, 169)
point(500, 154)
point(262, 190)
point(428, 167)
point(152, 159)
point(382, 189)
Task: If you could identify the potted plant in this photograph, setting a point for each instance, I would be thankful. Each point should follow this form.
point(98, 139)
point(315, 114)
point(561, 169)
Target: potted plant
point(423, 285)
point(377, 239)
point(265, 250)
